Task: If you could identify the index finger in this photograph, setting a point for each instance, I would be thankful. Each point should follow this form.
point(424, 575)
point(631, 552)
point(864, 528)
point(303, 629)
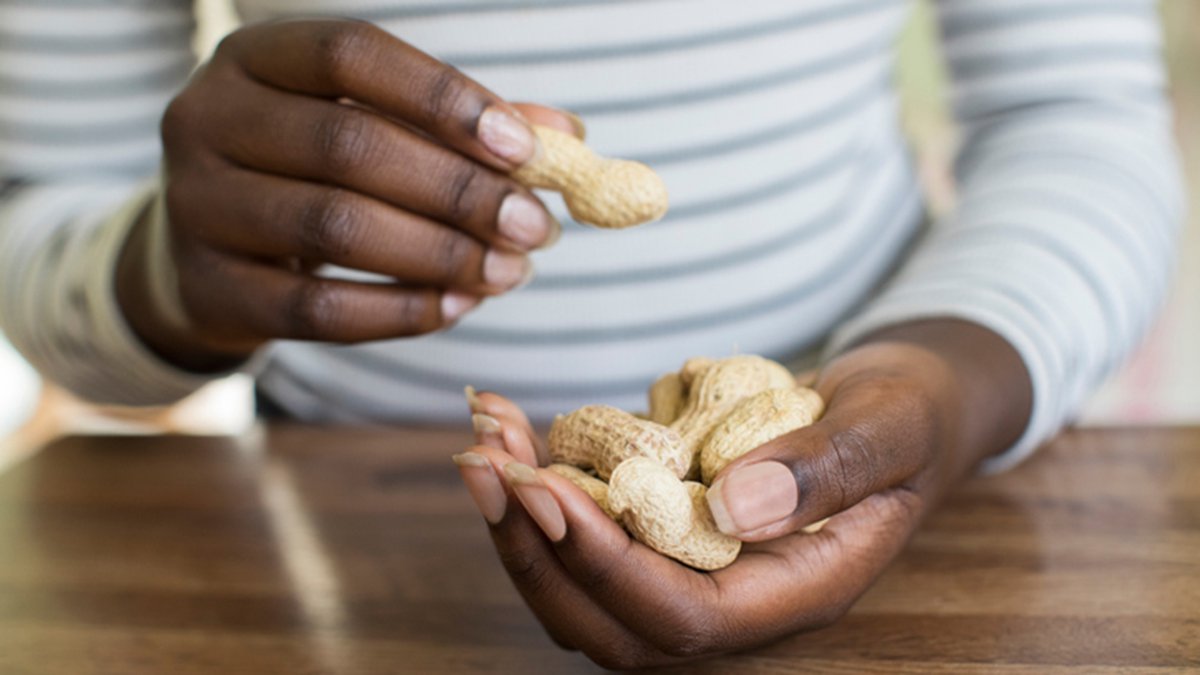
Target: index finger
point(798, 582)
point(667, 603)
point(555, 598)
point(359, 61)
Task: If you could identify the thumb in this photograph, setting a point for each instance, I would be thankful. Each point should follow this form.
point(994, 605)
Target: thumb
point(554, 118)
point(876, 433)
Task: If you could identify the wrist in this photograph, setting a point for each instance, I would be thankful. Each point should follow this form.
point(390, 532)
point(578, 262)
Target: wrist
point(983, 384)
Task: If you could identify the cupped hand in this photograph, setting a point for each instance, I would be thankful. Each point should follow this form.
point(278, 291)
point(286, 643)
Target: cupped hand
point(901, 428)
point(304, 143)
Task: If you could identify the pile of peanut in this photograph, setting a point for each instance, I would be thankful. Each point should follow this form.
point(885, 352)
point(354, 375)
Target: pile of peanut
point(652, 475)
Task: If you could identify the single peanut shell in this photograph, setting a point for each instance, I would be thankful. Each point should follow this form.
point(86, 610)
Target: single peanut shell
point(706, 547)
point(667, 398)
point(651, 502)
point(692, 368)
point(608, 193)
point(756, 420)
point(669, 515)
point(600, 437)
point(594, 487)
point(717, 390)
point(814, 401)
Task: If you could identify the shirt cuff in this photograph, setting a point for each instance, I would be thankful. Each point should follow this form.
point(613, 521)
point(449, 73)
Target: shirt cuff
point(139, 377)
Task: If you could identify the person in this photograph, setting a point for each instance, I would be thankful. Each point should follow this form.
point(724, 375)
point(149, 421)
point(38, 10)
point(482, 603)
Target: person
point(328, 208)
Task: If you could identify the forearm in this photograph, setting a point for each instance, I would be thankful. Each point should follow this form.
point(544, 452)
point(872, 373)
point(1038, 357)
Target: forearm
point(1062, 239)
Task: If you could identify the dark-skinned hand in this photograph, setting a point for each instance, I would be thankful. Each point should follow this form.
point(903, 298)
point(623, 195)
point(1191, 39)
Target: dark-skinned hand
point(909, 412)
point(303, 143)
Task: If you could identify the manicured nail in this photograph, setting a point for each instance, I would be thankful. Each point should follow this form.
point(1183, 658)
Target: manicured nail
point(505, 270)
point(555, 234)
point(483, 484)
point(488, 431)
point(485, 424)
point(506, 137)
point(536, 499)
point(577, 122)
point(455, 304)
point(526, 280)
point(524, 221)
point(473, 399)
point(752, 497)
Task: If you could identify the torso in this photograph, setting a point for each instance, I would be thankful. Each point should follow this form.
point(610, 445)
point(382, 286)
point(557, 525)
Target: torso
point(774, 126)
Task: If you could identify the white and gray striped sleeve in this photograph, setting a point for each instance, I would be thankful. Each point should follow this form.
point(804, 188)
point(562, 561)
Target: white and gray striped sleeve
point(82, 86)
point(1069, 195)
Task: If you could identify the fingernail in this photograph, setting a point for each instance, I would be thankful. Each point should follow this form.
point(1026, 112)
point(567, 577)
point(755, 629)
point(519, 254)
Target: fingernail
point(752, 497)
point(483, 484)
point(526, 280)
point(485, 424)
point(455, 304)
point(524, 221)
point(577, 122)
point(505, 270)
point(505, 136)
point(488, 431)
point(536, 499)
point(473, 399)
point(555, 234)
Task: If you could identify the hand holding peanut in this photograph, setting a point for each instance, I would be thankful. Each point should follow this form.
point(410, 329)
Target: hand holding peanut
point(908, 413)
point(271, 176)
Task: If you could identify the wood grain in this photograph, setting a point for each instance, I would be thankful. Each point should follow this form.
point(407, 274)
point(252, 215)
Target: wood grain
point(308, 550)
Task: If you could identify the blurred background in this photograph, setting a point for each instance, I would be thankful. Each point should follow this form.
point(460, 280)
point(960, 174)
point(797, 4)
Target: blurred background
point(1160, 385)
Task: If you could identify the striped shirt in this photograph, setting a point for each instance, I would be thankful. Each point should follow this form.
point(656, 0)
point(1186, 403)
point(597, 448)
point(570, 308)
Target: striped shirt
point(796, 216)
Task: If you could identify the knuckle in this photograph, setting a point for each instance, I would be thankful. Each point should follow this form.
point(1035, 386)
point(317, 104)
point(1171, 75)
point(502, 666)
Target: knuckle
point(527, 570)
point(313, 311)
point(461, 191)
point(340, 48)
point(850, 462)
point(603, 577)
point(450, 253)
point(415, 313)
point(329, 226)
point(447, 89)
point(230, 44)
point(196, 269)
point(179, 121)
point(183, 198)
point(342, 140)
point(693, 631)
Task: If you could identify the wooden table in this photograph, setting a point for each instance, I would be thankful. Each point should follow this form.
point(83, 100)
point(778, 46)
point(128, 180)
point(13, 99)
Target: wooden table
point(358, 551)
